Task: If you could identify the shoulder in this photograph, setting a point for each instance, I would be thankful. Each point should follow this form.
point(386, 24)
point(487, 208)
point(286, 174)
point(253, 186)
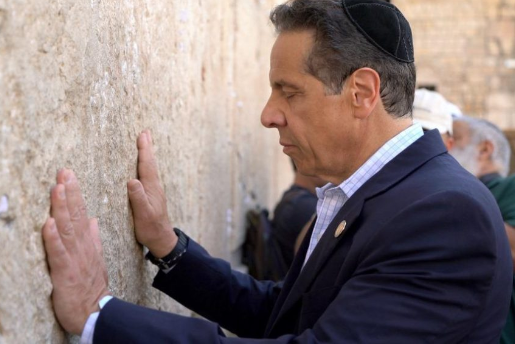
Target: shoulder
point(443, 177)
point(439, 227)
point(442, 201)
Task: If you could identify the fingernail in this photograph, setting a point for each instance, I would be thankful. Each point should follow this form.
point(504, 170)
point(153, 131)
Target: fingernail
point(67, 176)
point(133, 186)
point(143, 137)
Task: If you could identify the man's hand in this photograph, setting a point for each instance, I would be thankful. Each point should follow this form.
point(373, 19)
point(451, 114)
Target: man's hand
point(74, 253)
point(148, 201)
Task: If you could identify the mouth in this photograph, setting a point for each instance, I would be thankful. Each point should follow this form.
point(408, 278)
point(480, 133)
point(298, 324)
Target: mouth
point(287, 148)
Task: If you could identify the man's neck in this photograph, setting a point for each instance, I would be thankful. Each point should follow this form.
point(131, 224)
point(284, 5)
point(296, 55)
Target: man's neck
point(376, 137)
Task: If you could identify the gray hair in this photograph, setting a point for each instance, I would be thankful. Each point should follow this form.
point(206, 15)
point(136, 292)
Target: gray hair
point(340, 49)
point(482, 130)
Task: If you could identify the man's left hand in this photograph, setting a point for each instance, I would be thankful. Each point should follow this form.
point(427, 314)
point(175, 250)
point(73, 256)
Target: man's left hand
point(74, 253)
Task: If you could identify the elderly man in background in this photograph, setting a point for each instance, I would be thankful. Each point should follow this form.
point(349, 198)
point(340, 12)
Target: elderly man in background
point(433, 111)
point(482, 148)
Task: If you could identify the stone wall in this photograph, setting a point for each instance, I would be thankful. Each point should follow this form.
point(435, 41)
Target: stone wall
point(78, 81)
point(466, 48)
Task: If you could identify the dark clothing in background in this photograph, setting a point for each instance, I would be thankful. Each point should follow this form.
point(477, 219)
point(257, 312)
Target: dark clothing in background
point(503, 190)
point(293, 211)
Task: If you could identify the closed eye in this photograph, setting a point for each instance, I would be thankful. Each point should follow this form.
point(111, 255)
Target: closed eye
point(289, 95)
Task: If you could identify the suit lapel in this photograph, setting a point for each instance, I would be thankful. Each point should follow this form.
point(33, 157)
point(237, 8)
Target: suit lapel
point(300, 279)
point(290, 278)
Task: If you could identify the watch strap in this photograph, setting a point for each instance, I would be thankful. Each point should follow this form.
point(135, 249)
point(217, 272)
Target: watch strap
point(170, 260)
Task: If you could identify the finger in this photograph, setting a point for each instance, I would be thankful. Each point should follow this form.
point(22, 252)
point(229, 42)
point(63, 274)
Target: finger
point(95, 234)
point(62, 217)
point(147, 163)
point(56, 252)
point(75, 203)
point(137, 197)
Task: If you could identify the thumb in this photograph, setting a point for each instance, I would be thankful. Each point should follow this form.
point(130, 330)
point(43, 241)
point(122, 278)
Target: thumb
point(137, 196)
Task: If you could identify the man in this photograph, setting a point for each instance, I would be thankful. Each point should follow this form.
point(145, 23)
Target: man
point(484, 151)
point(390, 257)
point(433, 111)
point(292, 213)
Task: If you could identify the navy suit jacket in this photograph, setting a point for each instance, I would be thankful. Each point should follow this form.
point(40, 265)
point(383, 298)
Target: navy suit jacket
point(423, 259)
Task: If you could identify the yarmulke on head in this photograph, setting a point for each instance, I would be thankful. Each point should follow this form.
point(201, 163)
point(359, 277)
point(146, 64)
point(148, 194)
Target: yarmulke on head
point(383, 25)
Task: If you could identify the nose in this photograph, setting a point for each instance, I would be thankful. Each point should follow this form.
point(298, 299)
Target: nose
point(272, 115)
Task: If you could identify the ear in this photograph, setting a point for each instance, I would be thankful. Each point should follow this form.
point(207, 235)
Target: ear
point(448, 141)
point(364, 86)
point(486, 150)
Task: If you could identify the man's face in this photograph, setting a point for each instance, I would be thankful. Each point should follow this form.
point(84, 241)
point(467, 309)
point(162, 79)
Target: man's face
point(316, 129)
point(465, 151)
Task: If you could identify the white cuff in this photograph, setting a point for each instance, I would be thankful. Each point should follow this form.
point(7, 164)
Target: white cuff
point(89, 328)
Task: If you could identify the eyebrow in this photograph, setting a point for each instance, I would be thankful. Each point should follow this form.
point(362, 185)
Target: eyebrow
point(284, 83)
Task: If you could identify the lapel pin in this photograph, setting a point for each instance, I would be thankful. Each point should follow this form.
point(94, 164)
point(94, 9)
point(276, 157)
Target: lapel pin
point(340, 229)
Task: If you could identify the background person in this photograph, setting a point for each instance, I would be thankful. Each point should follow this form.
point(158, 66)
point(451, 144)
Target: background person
point(433, 111)
point(295, 209)
point(482, 148)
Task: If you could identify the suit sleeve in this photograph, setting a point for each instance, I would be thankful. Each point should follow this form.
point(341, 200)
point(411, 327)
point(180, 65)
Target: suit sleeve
point(209, 287)
point(422, 278)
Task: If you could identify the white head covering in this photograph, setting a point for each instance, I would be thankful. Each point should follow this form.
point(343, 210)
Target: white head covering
point(454, 110)
point(433, 111)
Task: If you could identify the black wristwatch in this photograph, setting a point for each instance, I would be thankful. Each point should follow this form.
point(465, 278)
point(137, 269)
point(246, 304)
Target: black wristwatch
point(171, 259)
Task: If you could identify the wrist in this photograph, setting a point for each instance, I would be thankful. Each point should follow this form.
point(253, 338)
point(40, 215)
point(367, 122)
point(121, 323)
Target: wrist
point(164, 245)
point(169, 261)
point(89, 309)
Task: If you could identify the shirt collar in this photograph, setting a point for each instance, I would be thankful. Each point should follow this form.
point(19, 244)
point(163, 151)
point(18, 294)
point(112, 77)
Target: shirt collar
point(376, 162)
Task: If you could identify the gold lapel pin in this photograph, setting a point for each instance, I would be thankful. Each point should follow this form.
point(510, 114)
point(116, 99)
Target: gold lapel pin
point(340, 229)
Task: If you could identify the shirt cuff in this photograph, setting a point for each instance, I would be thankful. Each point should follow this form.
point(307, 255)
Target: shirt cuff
point(89, 328)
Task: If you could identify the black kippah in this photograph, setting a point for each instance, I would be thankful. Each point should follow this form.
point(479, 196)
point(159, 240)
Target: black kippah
point(383, 25)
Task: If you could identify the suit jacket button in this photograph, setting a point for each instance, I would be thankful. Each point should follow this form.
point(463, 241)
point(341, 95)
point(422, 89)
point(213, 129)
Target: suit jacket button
point(340, 229)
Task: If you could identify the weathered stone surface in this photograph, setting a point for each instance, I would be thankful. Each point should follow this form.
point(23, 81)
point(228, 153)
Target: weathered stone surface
point(78, 81)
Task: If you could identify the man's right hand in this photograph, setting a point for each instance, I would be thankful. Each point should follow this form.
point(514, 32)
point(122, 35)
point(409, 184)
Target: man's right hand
point(148, 201)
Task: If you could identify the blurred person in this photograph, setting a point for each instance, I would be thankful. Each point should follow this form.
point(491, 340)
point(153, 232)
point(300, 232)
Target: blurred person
point(482, 148)
point(293, 212)
point(390, 257)
point(454, 110)
point(433, 111)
